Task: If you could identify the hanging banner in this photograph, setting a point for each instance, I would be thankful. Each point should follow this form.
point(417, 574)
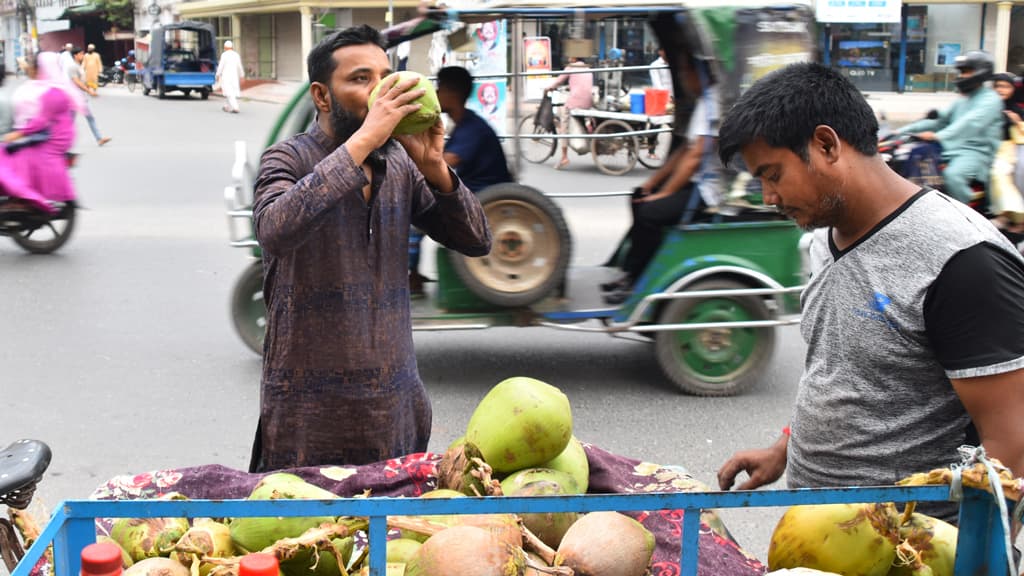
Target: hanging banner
point(488, 66)
point(858, 11)
point(537, 58)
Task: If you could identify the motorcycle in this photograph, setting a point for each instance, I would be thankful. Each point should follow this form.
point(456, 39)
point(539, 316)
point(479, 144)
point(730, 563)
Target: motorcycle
point(113, 74)
point(36, 231)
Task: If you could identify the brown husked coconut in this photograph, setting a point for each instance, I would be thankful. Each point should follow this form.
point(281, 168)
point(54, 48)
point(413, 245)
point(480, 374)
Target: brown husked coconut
point(466, 551)
point(158, 566)
point(606, 544)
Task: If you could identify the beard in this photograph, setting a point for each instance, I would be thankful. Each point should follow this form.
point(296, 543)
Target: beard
point(343, 123)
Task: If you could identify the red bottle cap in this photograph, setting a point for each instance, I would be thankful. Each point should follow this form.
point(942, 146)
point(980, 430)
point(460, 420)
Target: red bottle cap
point(258, 565)
point(101, 559)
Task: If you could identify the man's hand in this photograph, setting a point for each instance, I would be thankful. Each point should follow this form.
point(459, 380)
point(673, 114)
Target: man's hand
point(763, 466)
point(427, 150)
point(1013, 116)
point(929, 136)
point(12, 136)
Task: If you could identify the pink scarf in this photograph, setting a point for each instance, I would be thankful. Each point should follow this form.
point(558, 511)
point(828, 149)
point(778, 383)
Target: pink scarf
point(28, 97)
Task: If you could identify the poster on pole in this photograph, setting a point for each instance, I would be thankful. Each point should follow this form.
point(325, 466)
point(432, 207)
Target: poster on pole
point(946, 53)
point(489, 64)
point(858, 11)
point(537, 58)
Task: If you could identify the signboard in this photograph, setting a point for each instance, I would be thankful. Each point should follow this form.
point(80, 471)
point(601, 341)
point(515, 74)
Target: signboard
point(489, 96)
point(946, 53)
point(858, 11)
point(537, 58)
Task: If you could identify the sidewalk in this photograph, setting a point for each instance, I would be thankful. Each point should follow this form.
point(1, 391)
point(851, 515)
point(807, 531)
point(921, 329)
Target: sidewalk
point(898, 108)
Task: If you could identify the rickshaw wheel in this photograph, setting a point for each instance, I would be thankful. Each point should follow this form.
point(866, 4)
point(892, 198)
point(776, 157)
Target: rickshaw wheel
point(161, 90)
point(248, 310)
point(715, 361)
point(530, 248)
point(204, 94)
point(539, 148)
point(51, 235)
point(614, 155)
point(658, 144)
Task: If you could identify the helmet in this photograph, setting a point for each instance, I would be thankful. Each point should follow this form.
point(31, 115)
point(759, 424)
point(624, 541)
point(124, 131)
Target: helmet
point(981, 63)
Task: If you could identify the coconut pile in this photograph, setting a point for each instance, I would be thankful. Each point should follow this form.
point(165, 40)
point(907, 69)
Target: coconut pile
point(518, 441)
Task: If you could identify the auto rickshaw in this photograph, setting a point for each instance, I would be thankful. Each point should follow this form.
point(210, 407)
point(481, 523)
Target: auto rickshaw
point(182, 58)
point(717, 289)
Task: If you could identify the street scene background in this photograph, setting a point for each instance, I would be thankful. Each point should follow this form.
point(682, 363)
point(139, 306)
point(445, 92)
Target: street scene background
point(118, 351)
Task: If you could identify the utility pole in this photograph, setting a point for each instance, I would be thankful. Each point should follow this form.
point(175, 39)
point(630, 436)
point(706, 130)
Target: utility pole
point(29, 26)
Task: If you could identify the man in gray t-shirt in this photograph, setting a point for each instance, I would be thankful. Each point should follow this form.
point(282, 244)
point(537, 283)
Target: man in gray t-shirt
point(912, 317)
point(77, 75)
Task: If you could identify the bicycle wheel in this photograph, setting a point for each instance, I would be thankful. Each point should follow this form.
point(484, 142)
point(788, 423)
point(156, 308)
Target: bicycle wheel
point(131, 80)
point(654, 149)
point(538, 148)
point(614, 155)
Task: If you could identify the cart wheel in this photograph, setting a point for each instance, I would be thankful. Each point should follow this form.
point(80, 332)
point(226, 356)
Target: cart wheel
point(248, 310)
point(614, 155)
point(187, 92)
point(654, 149)
point(539, 148)
point(715, 361)
point(205, 94)
point(161, 90)
point(530, 250)
point(50, 235)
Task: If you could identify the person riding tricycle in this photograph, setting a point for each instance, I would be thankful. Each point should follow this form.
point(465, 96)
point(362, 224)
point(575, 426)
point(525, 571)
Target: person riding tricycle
point(711, 291)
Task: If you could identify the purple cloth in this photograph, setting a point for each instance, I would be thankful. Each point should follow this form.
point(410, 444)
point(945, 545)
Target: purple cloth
point(414, 474)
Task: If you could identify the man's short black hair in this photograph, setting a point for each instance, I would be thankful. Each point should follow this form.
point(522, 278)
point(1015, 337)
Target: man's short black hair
point(76, 51)
point(321, 64)
point(457, 79)
point(785, 107)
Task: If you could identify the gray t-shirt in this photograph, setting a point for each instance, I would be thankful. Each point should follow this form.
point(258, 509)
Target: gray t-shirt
point(875, 404)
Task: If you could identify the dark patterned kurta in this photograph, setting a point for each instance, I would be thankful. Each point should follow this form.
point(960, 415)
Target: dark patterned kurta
point(340, 382)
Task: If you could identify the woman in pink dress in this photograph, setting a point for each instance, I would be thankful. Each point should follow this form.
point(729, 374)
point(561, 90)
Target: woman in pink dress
point(44, 108)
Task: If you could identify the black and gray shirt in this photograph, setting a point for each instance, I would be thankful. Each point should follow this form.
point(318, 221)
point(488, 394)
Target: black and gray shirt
point(933, 292)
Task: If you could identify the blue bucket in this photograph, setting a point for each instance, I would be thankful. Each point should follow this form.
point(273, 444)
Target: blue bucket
point(636, 103)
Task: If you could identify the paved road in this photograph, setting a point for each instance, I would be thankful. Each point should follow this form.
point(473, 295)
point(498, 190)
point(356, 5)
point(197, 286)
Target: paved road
point(118, 351)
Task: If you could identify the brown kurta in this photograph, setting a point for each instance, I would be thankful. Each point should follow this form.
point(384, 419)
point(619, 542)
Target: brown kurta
point(340, 382)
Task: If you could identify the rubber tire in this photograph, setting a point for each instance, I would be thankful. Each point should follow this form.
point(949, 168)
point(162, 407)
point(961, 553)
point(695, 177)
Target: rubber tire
point(662, 148)
point(187, 92)
point(102, 82)
point(667, 345)
point(49, 246)
point(613, 127)
point(204, 94)
point(518, 193)
point(161, 90)
point(527, 127)
point(246, 305)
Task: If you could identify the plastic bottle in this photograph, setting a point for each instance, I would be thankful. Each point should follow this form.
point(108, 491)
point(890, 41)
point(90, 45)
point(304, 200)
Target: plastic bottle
point(101, 559)
point(258, 564)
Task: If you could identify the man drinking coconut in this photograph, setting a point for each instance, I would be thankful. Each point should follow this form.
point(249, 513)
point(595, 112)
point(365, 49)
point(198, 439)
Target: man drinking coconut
point(332, 214)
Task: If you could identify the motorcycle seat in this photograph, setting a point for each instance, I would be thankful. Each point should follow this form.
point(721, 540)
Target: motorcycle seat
point(22, 465)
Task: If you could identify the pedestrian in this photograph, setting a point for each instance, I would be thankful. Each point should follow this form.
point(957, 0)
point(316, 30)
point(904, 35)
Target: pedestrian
point(581, 97)
point(680, 190)
point(912, 316)
point(661, 76)
point(230, 74)
point(92, 64)
point(77, 76)
point(66, 57)
point(332, 212)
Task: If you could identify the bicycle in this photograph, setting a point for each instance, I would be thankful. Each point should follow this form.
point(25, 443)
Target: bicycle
point(613, 155)
point(22, 465)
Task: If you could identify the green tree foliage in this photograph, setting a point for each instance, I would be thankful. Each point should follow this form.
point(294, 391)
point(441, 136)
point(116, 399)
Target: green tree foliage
point(119, 13)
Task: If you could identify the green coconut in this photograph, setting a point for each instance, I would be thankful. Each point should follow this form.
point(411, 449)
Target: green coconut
point(255, 534)
point(205, 538)
point(390, 569)
point(926, 541)
point(550, 527)
point(400, 550)
point(517, 480)
point(520, 423)
point(145, 538)
point(573, 461)
point(430, 108)
point(447, 520)
point(466, 551)
point(843, 538)
point(606, 543)
point(321, 563)
point(126, 559)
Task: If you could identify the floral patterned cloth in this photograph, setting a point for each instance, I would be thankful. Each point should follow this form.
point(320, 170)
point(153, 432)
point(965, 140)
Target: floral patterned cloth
point(415, 474)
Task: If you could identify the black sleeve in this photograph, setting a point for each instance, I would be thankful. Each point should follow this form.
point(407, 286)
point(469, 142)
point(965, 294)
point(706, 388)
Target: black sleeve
point(974, 311)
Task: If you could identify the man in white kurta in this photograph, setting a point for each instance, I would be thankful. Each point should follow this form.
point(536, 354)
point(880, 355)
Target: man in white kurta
point(229, 75)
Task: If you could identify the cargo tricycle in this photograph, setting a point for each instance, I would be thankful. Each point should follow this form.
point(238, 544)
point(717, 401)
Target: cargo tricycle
point(691, 539)
point(182, 58)
point(711, 299)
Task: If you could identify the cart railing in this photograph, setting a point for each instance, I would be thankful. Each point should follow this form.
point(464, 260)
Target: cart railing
point(981, 547)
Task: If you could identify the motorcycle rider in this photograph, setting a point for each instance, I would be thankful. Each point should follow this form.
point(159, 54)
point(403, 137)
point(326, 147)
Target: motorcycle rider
point(970, 130)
